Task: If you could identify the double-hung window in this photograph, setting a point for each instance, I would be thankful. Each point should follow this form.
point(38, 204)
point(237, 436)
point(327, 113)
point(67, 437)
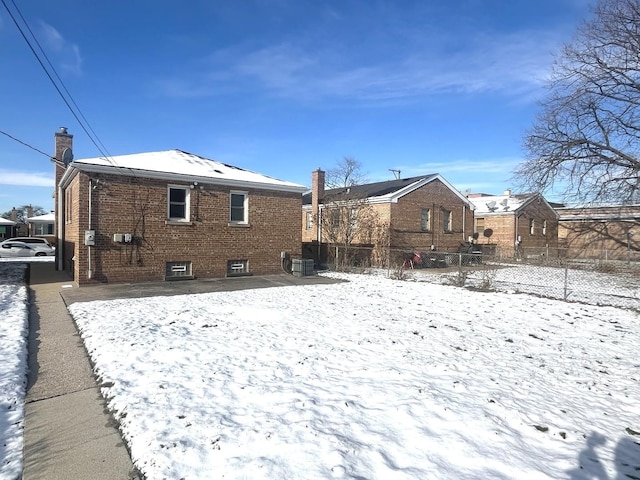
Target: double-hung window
point(43, 229)
point(532, 226)
point(239, 207)
point(425, 220)
point(178, 203)
point(446, 220)
point(309, 219)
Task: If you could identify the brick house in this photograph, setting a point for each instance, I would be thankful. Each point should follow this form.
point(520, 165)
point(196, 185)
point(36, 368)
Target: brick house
point(169, 215)
point(42, 226)
point(7, 228)
point(411, 214)
point(510, 224)
point(607, 232)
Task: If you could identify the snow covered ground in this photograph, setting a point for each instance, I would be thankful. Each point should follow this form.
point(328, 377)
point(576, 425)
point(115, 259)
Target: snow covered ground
point(596, 288)
point(373, 378)
point(14, 316)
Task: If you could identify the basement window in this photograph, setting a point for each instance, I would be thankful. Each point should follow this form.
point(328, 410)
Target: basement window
point(178, 271)
point(237, 268)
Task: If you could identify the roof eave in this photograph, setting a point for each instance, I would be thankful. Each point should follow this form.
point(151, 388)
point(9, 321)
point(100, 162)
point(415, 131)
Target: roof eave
point(180, 177)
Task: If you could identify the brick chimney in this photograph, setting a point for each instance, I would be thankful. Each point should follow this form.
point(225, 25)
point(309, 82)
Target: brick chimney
point(317, 193)
point(63, 140)
point(14, 214)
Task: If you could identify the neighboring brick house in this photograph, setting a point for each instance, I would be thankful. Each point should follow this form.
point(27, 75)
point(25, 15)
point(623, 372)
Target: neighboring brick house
point(43, 226)
point(509, 224)
point(170, 215)
point(418, 213)
point(7, 228)
point(608, 232)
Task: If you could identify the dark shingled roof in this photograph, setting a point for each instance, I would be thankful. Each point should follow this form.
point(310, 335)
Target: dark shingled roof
point(367, 190)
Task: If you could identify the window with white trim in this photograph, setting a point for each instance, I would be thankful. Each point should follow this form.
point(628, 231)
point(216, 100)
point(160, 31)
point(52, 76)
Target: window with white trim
point(239, 207)
point(544, 227)
point(178, 203)
point(43, 228)
point(353, 218)
point(309, 220)
point(237, 267)
point(175, 270)
point(446, 220)
point(425, 220)
point(532, 226)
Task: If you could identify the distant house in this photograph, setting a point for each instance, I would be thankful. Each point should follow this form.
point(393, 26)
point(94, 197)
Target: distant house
point(385, 218)
point(7, 229)
point(511, 224)
point(169, 215)
point(607, 232)
point(42, 226)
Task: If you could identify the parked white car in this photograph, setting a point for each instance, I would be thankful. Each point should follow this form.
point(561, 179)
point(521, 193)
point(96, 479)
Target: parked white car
point(30, 240)
point(13, 248)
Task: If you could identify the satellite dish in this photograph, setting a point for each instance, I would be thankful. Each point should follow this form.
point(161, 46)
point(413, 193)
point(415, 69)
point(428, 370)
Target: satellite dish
point(504, 202)
point(491, 205)
point(67, 156)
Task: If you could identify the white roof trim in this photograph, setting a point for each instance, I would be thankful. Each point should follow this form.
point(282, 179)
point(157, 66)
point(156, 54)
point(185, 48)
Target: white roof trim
point(194, 168)
point(394, 196)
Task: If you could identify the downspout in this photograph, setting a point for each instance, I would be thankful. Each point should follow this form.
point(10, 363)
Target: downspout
point(89, 272)
point(515, 239)
point(60, 231)
point(319, 232)
point(464, 223)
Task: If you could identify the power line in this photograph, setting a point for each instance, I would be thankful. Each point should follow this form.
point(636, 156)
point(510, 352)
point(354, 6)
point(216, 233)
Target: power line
point(77, 115)
point(25, 144)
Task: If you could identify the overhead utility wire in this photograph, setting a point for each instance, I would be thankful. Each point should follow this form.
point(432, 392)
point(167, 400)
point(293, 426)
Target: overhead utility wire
point(64, 99)
point(25, 144)
point(104, 149)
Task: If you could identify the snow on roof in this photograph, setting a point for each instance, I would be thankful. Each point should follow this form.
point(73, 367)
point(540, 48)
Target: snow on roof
point(4, 221)
point(498, 204)
point(171, 164)
point(46, 218)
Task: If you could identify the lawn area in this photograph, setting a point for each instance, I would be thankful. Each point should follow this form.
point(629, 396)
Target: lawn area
point(373, 378)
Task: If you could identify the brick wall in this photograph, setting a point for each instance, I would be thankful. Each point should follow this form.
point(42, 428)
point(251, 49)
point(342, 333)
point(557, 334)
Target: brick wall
point(502, 230)
point(139, 207)
point(435, 196)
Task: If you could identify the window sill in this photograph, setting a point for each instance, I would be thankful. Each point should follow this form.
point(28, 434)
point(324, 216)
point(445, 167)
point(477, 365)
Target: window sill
point(238, 224)
point(177, 222)
point(240, 274)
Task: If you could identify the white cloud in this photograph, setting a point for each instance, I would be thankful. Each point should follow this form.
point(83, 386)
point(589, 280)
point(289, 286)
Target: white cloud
point(515, 65)
point(26, 179)
point(66, 53)
point(501, 166)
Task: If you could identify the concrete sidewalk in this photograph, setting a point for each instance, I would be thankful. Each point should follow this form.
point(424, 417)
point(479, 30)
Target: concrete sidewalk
point(68, 433)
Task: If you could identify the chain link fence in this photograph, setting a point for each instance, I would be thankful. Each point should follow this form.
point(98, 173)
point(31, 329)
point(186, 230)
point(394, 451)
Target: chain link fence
point(579, 280)
point(597, 279)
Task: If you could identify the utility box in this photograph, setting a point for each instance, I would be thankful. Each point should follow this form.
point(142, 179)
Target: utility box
point(118, 237)
point(89, 237)
point(302, 267)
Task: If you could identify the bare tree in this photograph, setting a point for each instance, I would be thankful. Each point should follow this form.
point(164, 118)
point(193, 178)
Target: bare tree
point(585, 142)
point(355, 229)
point(347, 173)
point(22, 213)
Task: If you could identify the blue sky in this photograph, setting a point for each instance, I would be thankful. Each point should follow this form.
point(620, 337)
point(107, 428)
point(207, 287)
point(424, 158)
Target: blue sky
point(283, 87)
